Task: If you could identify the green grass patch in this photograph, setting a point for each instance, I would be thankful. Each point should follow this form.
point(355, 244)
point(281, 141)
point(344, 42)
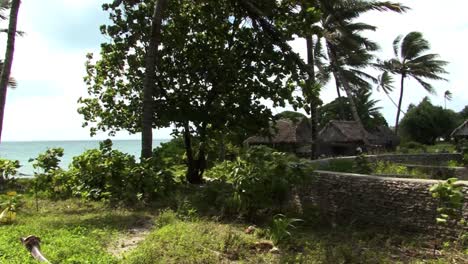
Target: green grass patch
point(71, 231)
point(74, 231)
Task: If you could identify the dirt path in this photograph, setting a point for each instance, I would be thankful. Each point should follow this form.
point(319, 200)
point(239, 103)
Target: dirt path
point(130, 240)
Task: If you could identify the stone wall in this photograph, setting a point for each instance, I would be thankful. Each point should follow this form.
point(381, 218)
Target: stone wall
point(433, 159)
point(352, 198)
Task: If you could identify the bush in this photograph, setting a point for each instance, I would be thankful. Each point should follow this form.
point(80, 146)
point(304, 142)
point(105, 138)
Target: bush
point(412, 146)
point(107, 174)
point(261, 179)
point(339, 165)
point(8, 169)
point(47, 170)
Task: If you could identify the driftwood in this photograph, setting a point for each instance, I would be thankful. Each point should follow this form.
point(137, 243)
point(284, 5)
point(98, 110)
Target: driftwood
point(32, 244)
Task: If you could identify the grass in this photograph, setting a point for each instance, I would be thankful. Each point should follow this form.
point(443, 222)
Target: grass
point(75, 231)
point(71, 231)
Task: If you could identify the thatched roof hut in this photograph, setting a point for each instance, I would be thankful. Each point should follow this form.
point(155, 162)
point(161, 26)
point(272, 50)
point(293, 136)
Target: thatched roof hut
point(342, 138)
point(384, 136)
point(343, 131)
point(461, 132)
point(285, 135)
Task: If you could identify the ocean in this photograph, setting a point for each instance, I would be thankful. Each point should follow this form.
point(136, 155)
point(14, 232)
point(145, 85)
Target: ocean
point(23, 151)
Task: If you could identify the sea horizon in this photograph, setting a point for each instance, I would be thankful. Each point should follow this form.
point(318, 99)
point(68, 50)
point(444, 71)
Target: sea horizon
point(25, 150)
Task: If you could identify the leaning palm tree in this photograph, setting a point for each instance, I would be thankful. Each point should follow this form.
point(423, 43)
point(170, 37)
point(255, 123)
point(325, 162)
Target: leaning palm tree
point(348, 50)
point(6, 67)
point(448, 96)
point(411, 60)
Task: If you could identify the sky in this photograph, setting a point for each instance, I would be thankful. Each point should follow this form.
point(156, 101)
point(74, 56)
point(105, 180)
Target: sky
point(49, 63)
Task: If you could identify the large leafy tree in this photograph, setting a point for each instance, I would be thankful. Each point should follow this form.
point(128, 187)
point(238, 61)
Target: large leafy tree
point(425, 122)
point(7, 63)
point(217, 66)
point(412, 60)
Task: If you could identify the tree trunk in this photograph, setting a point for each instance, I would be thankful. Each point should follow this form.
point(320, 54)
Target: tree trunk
point(195, 166)
point(399, 103)
point(6, 69)
point(150, 81)
point(312, 101)
point(341, 111)
point(338, 73)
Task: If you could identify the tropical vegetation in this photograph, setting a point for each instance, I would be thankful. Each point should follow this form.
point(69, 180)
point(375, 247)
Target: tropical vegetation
point(208, 69)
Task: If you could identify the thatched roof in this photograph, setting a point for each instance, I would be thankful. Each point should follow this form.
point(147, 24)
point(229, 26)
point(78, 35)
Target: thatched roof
point(461, 131)
point(384, 135)
point(343, 131)
point(284, 131)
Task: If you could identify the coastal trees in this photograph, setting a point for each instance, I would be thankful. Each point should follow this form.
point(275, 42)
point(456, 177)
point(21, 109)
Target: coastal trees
point(425, 123)
point(411, 60)
point(7, 63)
point(217, 66)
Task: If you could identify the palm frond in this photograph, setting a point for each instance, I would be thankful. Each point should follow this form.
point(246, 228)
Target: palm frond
point(448, 95)
point(427, 86)
point(385, 81)
point(396, 46)
point(412, 45)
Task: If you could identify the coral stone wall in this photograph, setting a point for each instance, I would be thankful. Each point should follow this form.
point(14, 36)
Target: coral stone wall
point(433, 159)
point(350, 198)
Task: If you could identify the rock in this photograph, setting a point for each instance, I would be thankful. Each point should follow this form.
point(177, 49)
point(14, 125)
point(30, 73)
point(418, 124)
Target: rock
point(250, 229)
point(274, 250)
point(263, 246)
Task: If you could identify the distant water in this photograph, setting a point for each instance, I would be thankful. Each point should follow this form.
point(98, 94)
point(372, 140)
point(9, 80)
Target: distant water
point(23, 151)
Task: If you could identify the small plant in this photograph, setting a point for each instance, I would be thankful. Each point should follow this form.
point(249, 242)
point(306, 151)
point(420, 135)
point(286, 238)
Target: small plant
point(280, 226)
point(8, 169)
point(453, 164)
point(361, 164)
point(449, 207)
point(8, 214)
point(450, 201)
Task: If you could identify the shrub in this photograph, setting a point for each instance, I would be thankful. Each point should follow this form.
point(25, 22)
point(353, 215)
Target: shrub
point(8, 169)
point(107, 174)
point(47, 169)
point(412, 146)
point(279, 228)
point(9, 207)
point(339, 165)
point(361, 165)
point(261, 179)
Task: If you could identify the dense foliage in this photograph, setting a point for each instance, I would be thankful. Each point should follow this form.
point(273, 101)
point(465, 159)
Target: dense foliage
point(339, 109)
point(8, 169)
point(425, 123)
point(259, 180)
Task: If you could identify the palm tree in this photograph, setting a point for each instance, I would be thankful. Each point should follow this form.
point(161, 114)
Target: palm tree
point(411, 61)
point(6, 67)
point(385, 82)
point(348, 50)
point(448, 96)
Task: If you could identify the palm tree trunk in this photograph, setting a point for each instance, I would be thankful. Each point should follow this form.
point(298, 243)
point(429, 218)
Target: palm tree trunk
point(6, 69)
point(338, 73)
point(399, 103)
point(150, 81)
point(312, 101)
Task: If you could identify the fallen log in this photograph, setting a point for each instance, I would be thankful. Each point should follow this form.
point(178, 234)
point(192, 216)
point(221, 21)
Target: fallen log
point(32, 244)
